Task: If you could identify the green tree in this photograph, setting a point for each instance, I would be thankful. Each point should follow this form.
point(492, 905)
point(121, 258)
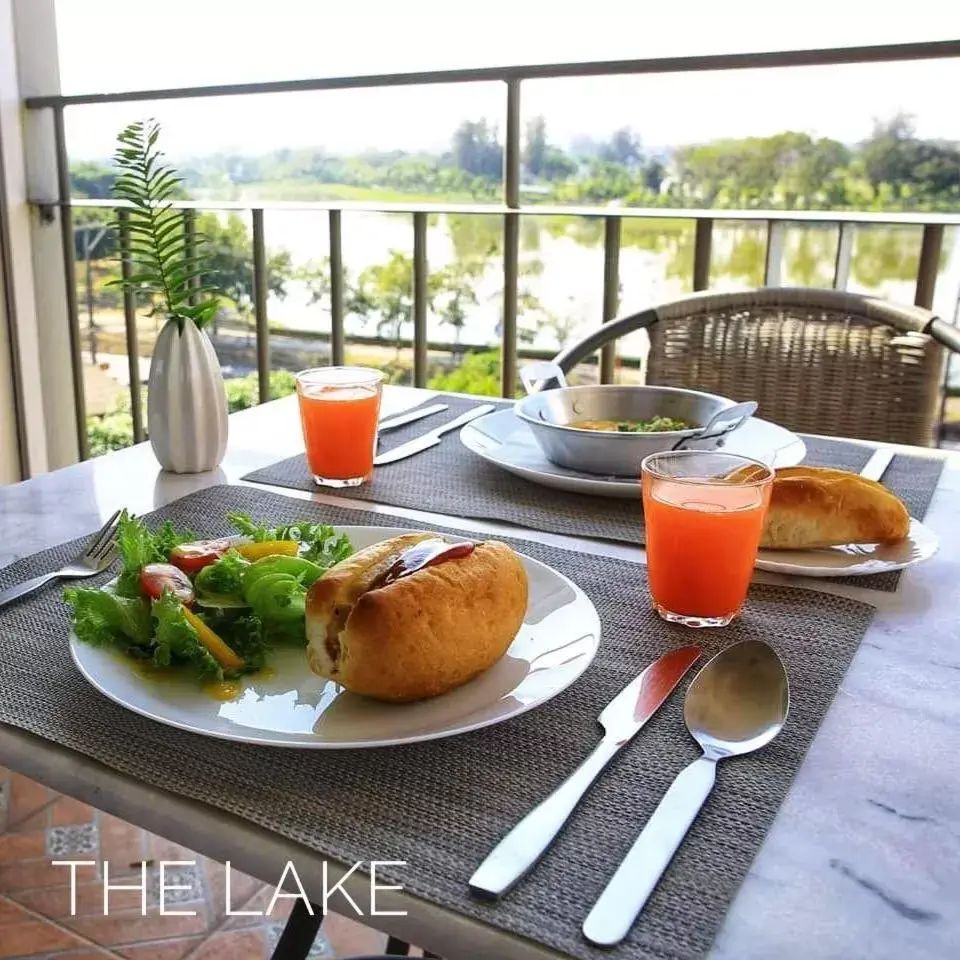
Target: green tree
point(475, 237)
point(385, 291)
point(476, 149)
point(315, 276)
point(889, 154)
point(479, 373)
point(560, 324)
point(623, 148)
point(91, 179)
point(885, 253)
point(535, 148)
point(455, 294)
point(94, 236)
point(231, 257)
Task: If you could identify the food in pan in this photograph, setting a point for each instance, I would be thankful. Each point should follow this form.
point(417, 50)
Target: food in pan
point(653, 425)
point(813, 507)
point(415, 616)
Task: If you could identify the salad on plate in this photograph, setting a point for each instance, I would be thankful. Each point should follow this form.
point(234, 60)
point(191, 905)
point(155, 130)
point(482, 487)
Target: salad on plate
point(213, 609)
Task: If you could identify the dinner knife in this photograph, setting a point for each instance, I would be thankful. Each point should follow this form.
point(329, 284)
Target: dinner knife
point(401, 420)
point(877, 465)
point(625, 715)
point(432, 438)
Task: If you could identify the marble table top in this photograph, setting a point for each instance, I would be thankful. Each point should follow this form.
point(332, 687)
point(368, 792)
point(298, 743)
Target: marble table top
point(863, 860)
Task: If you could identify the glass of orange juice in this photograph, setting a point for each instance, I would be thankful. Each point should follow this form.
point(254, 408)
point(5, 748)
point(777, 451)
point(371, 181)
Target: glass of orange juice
point(704, 513)
point(340, 411)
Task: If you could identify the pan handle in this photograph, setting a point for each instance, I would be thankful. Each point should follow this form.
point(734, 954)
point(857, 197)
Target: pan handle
point(722, 423)
point(539, 375)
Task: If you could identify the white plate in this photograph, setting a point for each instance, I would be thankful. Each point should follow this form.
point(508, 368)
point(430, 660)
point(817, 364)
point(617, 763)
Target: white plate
point(855, 560)
point(295, 708)
point(504, 439)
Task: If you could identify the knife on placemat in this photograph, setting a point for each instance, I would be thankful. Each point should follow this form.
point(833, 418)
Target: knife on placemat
point(402, 419)
point(624, 716)
point(432, 438)
point(877, 465)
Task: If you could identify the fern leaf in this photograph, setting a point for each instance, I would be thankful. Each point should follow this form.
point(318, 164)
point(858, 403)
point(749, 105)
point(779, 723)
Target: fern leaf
point(163, 262)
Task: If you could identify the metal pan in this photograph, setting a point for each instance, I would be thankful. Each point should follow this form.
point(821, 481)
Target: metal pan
point(549, 413)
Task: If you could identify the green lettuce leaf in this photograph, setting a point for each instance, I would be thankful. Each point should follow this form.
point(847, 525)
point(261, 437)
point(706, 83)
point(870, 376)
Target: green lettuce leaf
point(177, 644)
point(247, 528)
point(292, 632)
point(318, 541)
point(244, 634)
point(224, 577)
point(103, 619)
point(138, 545)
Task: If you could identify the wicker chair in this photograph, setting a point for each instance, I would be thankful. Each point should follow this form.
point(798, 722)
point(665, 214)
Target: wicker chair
point(816, 361)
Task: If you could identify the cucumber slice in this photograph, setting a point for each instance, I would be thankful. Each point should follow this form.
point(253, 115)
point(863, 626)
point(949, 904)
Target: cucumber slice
point(278, 597)
point(220, 601)
point(304, 570)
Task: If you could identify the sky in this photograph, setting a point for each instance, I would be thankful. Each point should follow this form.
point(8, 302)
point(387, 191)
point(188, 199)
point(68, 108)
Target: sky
point(114, 45)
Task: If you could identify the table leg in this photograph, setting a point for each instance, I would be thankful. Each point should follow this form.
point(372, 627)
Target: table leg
point(397, 948)
point(298, 934)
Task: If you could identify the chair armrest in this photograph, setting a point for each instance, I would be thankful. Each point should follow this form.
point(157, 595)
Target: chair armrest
point(567, 359)
point(944, 333)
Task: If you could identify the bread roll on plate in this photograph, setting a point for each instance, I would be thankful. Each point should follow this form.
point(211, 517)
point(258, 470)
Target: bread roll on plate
point(391, 634)
point(813, 507)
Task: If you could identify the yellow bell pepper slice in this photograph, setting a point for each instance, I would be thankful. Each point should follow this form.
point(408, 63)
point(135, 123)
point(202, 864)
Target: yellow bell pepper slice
point(218, 649)
point(268, 548)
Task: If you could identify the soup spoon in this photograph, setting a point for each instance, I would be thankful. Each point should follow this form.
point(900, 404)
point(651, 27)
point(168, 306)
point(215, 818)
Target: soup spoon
point(736, 704)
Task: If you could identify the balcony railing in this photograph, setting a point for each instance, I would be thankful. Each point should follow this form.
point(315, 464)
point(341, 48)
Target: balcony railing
point(510, 209)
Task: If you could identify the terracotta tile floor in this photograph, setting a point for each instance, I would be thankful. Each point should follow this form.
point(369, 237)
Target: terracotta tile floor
point(38, 826)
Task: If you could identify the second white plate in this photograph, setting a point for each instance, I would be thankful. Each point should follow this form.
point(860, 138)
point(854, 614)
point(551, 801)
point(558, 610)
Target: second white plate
point(854, 560)
point(505, 440)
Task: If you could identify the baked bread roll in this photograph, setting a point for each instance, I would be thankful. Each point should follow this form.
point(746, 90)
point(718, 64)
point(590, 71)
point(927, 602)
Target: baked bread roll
point(423, 633)
point(814, 507)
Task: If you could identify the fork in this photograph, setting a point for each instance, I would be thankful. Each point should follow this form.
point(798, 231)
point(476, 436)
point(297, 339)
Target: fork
point(97, 555)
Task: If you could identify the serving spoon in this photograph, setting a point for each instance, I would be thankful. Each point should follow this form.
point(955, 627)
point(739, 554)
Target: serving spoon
point(736, 704)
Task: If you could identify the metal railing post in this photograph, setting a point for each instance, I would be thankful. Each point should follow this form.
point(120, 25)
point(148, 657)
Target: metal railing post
point(841, 266)
point(337, 349)
point(773, 264)
point(611, 293)
point(511, 241)
point(929, 265)
point(702, 244)
point(260, 288)
point(130, 326)
point(190, 247)
point(421, 280)
point(70, 278)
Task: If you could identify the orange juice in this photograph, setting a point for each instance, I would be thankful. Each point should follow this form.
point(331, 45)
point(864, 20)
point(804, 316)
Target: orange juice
point(339, 419)
point(702, 539)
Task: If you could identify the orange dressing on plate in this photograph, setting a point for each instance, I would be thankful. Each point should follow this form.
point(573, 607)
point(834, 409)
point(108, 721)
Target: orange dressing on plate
point(226, 690)
point(150, 671)
point(223, 690)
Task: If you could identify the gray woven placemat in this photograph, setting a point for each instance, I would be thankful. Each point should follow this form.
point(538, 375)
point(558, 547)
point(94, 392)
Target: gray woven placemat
point(449, 479)
point(440, 806)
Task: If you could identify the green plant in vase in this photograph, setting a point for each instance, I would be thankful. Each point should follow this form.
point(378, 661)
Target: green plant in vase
point(187, 407)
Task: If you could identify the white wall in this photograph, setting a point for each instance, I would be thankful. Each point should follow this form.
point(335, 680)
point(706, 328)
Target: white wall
point(35, 283)
point(9, 459)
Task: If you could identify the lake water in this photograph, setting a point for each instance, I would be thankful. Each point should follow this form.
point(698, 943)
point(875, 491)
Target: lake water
point(656, 262)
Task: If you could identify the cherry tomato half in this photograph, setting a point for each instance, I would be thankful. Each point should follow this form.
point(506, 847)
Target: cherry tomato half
point(157, 577)
point(191, 557)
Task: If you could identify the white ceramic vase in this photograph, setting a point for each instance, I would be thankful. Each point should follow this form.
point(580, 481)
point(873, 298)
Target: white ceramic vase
point(186, 402)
